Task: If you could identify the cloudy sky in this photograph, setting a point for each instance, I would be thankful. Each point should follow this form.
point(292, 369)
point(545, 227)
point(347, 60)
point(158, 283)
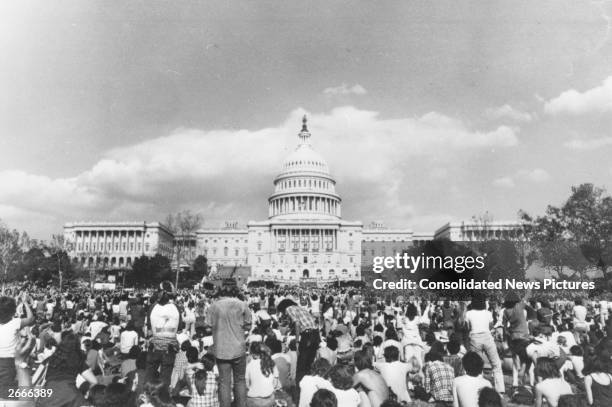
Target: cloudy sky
point(427, 112)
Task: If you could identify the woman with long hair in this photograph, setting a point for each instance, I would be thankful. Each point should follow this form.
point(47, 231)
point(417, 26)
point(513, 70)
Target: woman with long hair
point(203, 385)
point(598, 380)
point(63, 367)
point(412, 344)
point(262, 377)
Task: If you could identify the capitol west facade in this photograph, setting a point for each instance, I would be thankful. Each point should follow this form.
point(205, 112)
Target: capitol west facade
point(303, 239)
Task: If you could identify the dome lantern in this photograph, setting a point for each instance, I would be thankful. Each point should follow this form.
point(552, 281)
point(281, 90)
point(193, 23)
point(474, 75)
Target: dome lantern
point(304, 135)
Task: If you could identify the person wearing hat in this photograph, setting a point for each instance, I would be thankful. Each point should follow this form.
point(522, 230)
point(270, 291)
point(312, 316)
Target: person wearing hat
point(480, 322)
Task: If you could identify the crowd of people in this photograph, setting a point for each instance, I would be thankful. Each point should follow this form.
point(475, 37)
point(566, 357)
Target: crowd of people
point(300, 347)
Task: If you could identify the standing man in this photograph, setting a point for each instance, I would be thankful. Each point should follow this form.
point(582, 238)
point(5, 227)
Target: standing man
point(306, 330)
point(230, 319)
point(164, 321)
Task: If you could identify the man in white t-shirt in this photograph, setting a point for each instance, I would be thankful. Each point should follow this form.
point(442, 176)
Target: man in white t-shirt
point(314, 381)
point(96, 326)
point(164, 321)
point(467, 387)
point(394, 372)
point(128, 338)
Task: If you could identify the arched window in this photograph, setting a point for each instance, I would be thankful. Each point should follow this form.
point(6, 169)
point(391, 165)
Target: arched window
point(319, 272)
point(344, 271)
point(332, 272)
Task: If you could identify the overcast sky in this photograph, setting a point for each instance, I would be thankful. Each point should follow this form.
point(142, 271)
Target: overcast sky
point(426, 111)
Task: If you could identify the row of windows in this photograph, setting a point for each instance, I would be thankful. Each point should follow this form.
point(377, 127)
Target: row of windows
point(314, 259)
point(103, 233)
point(382, 239)
point(307, 183)
point(383, 251)
point(305, 272)
point(226, 251)
point(309, 162)
point(109, 247)
point(227, 241)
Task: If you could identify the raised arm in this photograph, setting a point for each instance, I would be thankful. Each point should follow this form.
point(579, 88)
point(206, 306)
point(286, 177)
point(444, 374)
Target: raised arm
point(29, 319)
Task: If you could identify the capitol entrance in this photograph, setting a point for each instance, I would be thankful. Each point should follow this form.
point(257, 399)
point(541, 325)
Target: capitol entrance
point(305, 273)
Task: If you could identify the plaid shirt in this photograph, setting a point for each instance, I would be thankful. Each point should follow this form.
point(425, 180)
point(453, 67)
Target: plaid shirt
point(301, 317)
point(209, 398)
point(439, 380)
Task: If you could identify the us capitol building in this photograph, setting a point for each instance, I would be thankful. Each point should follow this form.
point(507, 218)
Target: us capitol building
point(304, 237)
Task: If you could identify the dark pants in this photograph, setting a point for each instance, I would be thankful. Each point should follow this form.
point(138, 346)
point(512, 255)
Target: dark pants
point(228, 369)
point(65, 394)
point(162, 361)
point(7, 376)
point(307, 351)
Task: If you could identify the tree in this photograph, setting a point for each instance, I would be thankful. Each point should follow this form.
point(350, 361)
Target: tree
point(57, 250)
point(183, 225)
point(200, 266)
point(503, 260)
point(506, 257)
point(577, 235)
point(10, 251)
point(147, 271)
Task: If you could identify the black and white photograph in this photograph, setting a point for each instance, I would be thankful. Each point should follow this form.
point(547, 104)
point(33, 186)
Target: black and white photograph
point(340, 203)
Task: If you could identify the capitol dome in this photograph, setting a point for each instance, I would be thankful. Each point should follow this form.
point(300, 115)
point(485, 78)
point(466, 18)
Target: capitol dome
point(304, 187)
point(304, 158)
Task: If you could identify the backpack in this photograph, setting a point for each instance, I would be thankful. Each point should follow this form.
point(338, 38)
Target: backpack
point(522, 395)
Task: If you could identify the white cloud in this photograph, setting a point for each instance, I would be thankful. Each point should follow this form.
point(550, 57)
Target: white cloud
point(535, 176)
point(595, 100)
point(593, 144)
point(344, 89)
point(504, 182)
point(228, 173)
point(508, 112)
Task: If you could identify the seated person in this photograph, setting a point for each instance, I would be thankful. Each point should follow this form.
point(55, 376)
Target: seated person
point(550, 385)
point(467, 387)
point(394, 372)
point(342, 379)
point(438, 378)
point(369, 380)
point(317, 379)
